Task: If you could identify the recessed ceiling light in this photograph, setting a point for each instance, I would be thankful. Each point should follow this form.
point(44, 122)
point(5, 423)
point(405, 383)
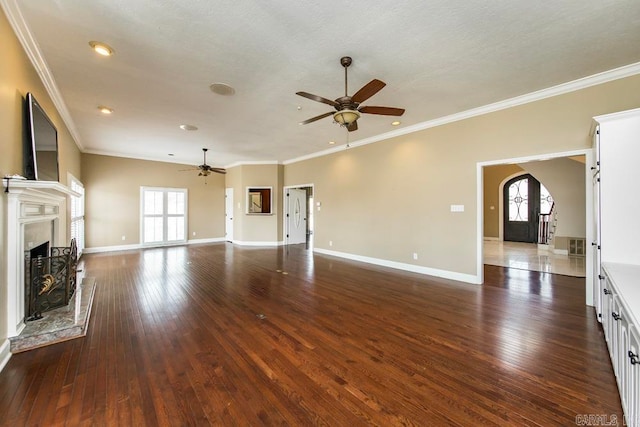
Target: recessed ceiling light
point(332, 142)
point(170, 154)
point(222, 89)
point(299, 108)
point(188, 127)
point(396, 123)
point(101, 48)
point(105, 110)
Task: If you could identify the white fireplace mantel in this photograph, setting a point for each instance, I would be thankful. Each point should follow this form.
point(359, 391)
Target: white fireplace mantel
point(29, 202)
point(48, 187)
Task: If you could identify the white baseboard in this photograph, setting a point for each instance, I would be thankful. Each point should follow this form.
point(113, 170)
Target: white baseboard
point(496, 239)
point(445, 274)
point(250, 243)
point(201, 241)
point(100, 249)
point(5, 353)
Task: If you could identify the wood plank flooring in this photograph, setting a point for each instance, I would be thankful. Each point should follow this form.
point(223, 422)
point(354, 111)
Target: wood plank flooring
point(216, 335)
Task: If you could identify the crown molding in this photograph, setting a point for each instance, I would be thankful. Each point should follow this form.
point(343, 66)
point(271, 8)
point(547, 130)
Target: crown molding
point(253, 163)
point(561, 89)
point(20, 28)
point(31, 48)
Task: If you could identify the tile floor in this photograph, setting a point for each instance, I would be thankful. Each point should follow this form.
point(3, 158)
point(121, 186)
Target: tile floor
point(527, 256)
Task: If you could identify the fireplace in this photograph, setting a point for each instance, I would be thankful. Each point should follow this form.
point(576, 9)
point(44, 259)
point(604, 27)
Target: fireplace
point(35, 212)
point(50, 278)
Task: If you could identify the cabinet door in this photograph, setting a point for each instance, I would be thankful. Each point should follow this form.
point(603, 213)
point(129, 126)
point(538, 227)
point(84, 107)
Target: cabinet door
point(622, 325)
point(597, 270)
point(614, 345)
point(607, 297)
point(633, 384)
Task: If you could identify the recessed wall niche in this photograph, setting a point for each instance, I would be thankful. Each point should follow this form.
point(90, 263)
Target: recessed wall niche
point(259, 200)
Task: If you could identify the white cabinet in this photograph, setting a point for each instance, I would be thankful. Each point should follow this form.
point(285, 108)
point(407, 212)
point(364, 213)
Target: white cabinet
point(633, 391)
point(620, 321)
point(616, 260)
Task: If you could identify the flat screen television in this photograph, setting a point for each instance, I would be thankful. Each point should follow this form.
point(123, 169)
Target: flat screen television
point(41, 145)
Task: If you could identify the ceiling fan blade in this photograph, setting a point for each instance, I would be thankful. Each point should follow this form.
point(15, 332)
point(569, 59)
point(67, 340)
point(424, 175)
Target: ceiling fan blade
point(385, 111)
point(352, 126)
point(183, 170)
point(318, 98)
point(313, 119)
point(368, 91)
point(219, 170)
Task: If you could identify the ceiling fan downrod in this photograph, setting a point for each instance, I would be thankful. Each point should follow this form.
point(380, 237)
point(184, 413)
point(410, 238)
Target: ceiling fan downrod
point(345, 61)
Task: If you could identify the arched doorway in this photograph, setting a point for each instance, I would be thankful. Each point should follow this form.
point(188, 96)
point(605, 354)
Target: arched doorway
point(524, 199)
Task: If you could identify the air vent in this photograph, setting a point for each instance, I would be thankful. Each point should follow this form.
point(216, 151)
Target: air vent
point(577, 246)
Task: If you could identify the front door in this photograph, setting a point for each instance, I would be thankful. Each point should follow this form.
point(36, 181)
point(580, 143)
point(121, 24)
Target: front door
point(521, 209)
point(296, 216)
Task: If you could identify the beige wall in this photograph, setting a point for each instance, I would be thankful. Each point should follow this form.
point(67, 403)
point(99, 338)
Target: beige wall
point(564, 178)
point(492, 178)
point(112, 186)
point(17, 77)
point(390, 199)
point(252, 228)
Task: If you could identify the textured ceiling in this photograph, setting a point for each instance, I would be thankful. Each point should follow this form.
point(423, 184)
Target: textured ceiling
point(437, 57)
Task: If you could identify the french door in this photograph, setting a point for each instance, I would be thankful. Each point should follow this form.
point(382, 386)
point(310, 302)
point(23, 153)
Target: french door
point(163, 214)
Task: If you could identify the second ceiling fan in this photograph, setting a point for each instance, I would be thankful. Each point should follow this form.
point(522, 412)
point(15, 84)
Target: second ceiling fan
point(347, 107)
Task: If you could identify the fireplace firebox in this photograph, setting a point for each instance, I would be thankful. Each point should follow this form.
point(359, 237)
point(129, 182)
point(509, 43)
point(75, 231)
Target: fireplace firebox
point(50, 278)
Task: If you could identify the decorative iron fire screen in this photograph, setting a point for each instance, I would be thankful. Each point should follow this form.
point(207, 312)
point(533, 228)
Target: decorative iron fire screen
point(51, 281)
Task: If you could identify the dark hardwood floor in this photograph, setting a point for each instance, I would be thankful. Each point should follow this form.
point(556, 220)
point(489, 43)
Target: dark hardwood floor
point(214, 334)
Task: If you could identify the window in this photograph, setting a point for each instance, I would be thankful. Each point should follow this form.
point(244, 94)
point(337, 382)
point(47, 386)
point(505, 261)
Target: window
point(77, 213)
point(546, 201)
point(163, 215)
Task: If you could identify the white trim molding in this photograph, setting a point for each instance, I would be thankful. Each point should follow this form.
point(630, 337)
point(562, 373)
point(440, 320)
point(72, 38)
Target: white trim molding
point(445, 274)
point(250, 243)
point(5, 353)
point(136, 246)
point(31, 48)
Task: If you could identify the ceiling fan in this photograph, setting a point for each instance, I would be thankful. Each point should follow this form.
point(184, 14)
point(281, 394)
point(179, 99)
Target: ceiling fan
point(204, 168)
point(347, 107)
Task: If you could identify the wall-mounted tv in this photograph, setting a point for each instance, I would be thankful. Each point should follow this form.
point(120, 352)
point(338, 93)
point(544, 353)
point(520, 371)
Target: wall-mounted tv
point(41, 145)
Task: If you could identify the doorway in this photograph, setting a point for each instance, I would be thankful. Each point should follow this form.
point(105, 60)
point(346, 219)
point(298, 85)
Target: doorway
point(587, 155)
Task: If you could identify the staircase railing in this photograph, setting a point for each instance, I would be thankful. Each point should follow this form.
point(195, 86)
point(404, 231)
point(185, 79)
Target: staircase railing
point(545, 226)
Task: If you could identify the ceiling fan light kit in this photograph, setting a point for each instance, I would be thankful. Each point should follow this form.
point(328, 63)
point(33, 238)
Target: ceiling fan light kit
point(346, 117)
point(348, 109)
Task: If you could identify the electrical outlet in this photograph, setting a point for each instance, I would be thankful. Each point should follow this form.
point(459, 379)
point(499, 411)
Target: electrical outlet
point(415, 255)
point(330, 242)
point(194, 233)
point(124, 237)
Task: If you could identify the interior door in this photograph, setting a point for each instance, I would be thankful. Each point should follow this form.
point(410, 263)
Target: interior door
point(296, 216)
point(228, 214)
point(521, 209)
